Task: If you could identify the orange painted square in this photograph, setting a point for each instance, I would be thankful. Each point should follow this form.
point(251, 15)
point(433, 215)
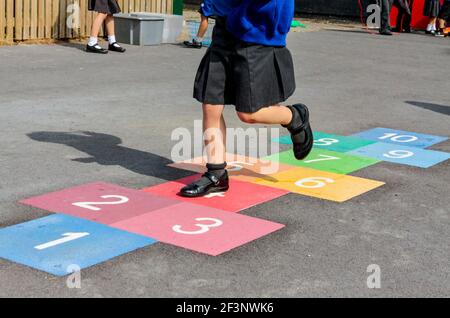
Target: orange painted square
point(321, 184)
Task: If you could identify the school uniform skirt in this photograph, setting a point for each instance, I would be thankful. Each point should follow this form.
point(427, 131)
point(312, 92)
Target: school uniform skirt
point(104, 6)
point(248, 76)
point(431, 8)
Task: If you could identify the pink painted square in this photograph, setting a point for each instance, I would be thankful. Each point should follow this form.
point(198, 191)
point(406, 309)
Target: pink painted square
point(100, 202)
point(241, 195)
point(199, 228)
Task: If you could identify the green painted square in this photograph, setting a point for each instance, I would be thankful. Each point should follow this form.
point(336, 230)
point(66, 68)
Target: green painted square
point(332, 142)
point(325, 160)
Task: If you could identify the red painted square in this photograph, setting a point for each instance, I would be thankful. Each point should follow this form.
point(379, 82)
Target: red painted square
point(240, 196)
point(185, 225)
point(100, 202)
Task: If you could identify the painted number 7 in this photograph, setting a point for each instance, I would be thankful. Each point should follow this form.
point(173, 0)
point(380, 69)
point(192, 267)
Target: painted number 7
point(204, 228)
point(322, 158)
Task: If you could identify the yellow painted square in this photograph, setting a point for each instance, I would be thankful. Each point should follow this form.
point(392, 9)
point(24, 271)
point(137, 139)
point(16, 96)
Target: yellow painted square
point(321, 184)
point(239, 167)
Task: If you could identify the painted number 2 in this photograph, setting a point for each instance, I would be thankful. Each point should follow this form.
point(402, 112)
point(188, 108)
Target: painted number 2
point(398, 138)
point(204, 228)
point(92, 205)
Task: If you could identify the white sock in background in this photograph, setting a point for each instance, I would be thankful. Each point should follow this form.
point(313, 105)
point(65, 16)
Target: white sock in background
point(112, 39)
point(93, 41)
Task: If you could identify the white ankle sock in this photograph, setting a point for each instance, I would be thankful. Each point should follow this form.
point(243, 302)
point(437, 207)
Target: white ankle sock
point(93, 41)
point(112, 39)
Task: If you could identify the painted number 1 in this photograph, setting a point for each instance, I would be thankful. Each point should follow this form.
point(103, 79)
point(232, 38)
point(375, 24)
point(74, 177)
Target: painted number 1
point(204, 228)
point(92, 205)
point(68, 237)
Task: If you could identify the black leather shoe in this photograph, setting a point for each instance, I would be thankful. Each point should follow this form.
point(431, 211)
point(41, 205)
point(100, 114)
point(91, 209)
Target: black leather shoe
point(385, 32)
point(301, 135)
point(193, 44)
point(209, 183)
point(115, 47)
point(96, 49)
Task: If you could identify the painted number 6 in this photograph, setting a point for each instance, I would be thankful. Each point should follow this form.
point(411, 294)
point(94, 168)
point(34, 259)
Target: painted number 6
point(203, 227)
point(313, 182)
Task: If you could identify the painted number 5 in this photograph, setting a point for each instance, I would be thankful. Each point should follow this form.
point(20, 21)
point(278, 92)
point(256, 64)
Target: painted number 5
point(92, 205)
point(313, 182)
point(203, 227)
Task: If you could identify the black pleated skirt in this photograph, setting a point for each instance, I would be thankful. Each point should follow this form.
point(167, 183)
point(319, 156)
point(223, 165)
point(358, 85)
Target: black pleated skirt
point(431, 8)
point(104, 6)
point(248, 76)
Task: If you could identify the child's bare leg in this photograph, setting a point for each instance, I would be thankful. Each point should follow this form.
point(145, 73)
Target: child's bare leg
point(97, 24)
point(272, 115)
point(214, 129)
point(110, 27)
point(216, 178)
point(295, 118)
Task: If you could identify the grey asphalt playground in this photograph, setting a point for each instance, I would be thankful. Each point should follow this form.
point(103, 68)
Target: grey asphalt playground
point(352, 81)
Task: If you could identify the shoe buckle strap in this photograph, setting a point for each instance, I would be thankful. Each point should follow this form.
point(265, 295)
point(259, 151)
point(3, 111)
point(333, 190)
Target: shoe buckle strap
point(212, 178)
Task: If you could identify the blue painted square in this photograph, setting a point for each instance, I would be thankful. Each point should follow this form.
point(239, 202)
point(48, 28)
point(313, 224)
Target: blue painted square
point(55, 242)
point(402, 155)
point(399, 137)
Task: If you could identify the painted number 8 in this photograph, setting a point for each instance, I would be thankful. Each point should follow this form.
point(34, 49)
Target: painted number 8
point(313, 182)
point(203, 227)
point(325, 141)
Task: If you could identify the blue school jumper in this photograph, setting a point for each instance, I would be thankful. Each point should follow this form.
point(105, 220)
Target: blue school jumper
point(265, 22)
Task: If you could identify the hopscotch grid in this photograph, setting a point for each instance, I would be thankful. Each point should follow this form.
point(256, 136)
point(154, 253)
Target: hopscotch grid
point(353, 152)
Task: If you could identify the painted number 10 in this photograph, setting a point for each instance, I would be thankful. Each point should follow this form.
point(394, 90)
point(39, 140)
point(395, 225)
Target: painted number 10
point(398, 138)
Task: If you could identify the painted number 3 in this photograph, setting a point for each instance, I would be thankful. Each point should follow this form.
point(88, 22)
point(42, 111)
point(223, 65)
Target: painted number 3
point(203, 228)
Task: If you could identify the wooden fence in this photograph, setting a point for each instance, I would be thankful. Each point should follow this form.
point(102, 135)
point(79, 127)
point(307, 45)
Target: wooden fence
point(22, 20)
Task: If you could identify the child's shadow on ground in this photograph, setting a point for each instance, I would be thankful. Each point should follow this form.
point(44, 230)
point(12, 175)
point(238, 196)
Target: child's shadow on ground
point(106, 150)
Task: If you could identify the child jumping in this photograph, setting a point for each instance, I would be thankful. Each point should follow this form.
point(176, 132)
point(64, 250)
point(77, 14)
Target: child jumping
point(248, 66)
point(105, 9)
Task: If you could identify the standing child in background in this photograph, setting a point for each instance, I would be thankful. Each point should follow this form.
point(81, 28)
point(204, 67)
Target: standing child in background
point(404, 15)
point(248, 66)
point(105, 10)
point(444, 16)
point(431, 10)
point(197, 42)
